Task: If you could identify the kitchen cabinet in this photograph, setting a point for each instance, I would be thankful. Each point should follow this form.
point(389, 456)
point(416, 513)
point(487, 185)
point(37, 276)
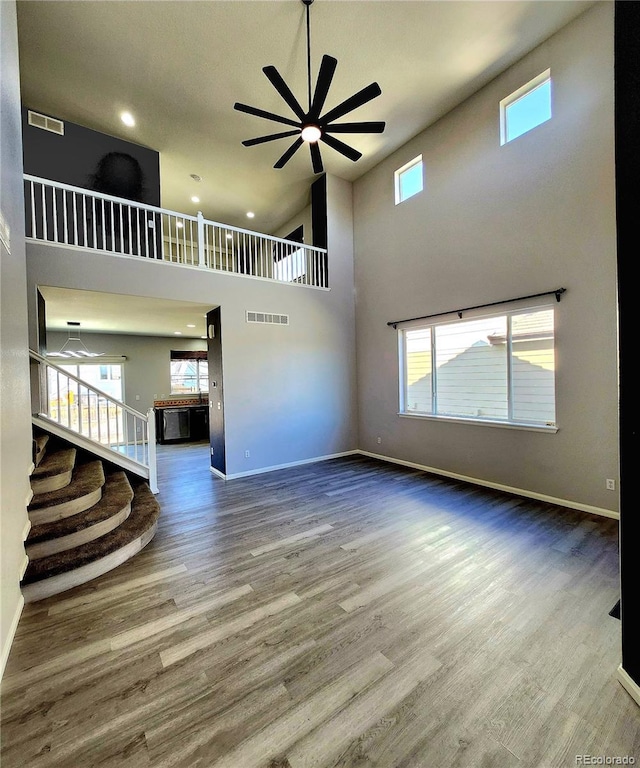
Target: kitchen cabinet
point(183, 423)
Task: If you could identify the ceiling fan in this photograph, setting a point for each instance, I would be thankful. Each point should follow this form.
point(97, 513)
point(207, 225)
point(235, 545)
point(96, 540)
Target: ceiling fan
point(312, 126)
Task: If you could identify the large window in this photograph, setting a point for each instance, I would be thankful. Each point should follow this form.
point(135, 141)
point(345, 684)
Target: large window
point(526, 108)
point(498, 368)
point(189, 373)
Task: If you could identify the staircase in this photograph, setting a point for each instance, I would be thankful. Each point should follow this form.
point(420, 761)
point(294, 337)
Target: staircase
point(87, 517)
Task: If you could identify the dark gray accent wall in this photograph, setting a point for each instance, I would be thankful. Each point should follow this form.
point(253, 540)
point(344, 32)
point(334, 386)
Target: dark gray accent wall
point(90, 159)
point(216, 391)
point(627, 130)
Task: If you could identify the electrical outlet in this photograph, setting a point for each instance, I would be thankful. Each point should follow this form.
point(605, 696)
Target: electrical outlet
point(247, 454)
point(379, 440)
point(611, 485)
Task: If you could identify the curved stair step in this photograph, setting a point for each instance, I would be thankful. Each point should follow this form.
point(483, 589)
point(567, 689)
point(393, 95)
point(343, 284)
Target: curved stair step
point(54, 471)
point(65, 570)
point(69, 532)
point(84, 490)
point(39, 448)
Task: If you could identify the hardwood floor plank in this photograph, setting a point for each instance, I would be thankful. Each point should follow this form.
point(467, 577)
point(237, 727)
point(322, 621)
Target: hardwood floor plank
point(311, 533)
point(285, 731)
point(216, 634)
point(274, 621)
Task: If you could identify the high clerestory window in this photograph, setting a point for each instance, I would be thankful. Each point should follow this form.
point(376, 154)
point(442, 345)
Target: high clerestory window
point(496, 368)
point(526, 108)
point(409, 180)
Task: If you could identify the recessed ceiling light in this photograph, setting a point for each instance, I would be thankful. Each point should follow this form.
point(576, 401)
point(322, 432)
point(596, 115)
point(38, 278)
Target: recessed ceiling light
point(179, 224)
point(195, 199)
point(128, 119)
point(177, 333)
point(229, 236)
point(250, 214)
point(190, 325)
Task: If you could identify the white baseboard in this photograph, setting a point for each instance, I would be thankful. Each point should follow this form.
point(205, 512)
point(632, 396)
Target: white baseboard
point(275, 467)
point(629, 684)
point(23, 566)
point(498, 486)
point(217, 473)
point(26, 529)
point(4, 657)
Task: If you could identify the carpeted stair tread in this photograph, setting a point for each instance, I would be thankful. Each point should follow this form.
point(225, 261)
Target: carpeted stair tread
point(116, 495)
point(144, 515)
point(55, 463)
point(54, 470)
point(39, 448)
point(85, 479)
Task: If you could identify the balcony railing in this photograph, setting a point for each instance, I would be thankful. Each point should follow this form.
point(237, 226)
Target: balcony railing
point(75, 217)
point(127, 436)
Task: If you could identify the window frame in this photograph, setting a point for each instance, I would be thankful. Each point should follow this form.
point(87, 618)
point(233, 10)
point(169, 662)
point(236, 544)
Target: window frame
point(518, 94)
point(193, 356)
point(398, 174)
point(486, 421)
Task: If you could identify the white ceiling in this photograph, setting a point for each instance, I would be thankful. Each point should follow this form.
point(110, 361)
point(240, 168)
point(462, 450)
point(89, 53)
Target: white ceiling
point(180, 65)
point(113, 313)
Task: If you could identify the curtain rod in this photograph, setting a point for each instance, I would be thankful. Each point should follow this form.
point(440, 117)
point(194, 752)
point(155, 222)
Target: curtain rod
point(557, 293)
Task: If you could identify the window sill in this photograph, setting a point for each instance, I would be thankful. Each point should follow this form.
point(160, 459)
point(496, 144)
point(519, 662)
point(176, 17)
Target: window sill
point(482, 422)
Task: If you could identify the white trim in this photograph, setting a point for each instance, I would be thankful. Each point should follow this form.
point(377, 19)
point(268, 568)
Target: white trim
point(499, 487)
point(32, 469)
point(10, 635)
point(217, 473)
point(275, 467)
point(629, 684)
point(23, 566)
point(26, 529)
point(28, 497)
point(484, 422)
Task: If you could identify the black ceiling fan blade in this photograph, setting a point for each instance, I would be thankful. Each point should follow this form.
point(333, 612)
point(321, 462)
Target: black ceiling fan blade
point(369, 127)
point(341, 147)
point(289, 153)
point(353, 102)
point(316, 158)
point(325, 76)
point(270, 137)
point(283, 89)
point(267, 115)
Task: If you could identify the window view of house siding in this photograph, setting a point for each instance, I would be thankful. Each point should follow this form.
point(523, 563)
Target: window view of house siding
point(477, 375)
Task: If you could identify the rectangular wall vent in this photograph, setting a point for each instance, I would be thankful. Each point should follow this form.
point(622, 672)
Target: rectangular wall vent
point(46, 123)
point(267, 317)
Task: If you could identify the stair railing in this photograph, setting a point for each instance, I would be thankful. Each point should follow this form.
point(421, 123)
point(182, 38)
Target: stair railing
point(78, 406)
point(62, 214)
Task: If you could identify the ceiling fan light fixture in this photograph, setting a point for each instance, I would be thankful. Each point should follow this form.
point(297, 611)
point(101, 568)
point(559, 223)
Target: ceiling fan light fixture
point(311, 125)
point(311, 133)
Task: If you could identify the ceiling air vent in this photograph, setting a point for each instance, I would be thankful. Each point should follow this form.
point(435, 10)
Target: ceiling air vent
point(46, 123)
point(267, 317)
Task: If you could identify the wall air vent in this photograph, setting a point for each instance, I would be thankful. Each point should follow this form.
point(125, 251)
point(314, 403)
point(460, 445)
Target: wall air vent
point(267, 317)
point(46, 123)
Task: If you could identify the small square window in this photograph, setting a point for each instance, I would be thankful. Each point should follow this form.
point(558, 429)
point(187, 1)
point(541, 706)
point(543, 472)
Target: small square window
point(409, 180)
point(526, 108)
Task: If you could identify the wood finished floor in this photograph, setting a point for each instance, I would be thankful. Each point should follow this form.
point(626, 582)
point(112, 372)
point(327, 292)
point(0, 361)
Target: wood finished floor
point(347, 613)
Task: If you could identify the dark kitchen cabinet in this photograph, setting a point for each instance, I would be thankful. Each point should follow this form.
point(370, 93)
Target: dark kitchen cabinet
point(187, 423)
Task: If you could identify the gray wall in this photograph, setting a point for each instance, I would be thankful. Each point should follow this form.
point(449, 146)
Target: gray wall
point(289, 391)
point(494, 223)
point(15, 410)
point(146, 369)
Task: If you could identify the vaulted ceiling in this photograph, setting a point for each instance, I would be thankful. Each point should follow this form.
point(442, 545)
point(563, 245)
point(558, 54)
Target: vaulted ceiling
point(179, 65)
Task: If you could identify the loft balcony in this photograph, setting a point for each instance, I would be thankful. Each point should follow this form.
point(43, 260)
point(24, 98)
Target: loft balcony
point(62, 215)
